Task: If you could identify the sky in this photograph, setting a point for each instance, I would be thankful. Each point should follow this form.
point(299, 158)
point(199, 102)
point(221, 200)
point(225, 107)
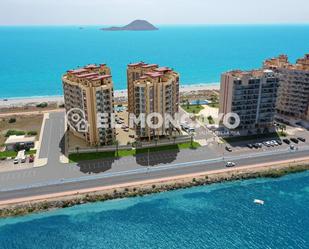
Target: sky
point(107, 12)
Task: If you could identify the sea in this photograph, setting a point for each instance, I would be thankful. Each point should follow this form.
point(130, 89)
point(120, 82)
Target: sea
point(217, 216)
point(33, 59)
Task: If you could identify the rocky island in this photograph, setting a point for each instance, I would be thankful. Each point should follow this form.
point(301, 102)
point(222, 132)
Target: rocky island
point(137, 25)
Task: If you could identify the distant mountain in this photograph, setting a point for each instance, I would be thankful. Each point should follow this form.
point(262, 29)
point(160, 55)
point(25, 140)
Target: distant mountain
point(137, 25)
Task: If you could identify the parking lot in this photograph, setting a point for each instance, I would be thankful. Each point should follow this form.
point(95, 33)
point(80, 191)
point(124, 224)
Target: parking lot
point(9, 165)
point(296, 138)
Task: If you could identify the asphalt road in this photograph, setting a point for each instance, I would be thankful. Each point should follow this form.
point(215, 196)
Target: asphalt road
point(56, 177)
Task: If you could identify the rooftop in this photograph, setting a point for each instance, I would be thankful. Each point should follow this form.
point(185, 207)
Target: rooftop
point(154, 74)
point(282, 61)
point(252, 74)
point(89, 73)
point(19, 139)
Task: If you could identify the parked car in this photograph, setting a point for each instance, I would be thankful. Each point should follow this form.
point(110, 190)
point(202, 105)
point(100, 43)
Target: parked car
point(267, 144)
point(274, 142)
point(294, 140)
point(191, 130)
point(16, 161)
point(185, 127)
point(279, 142)
point(23, 159)
point(230, 164)
point(287, 141)
point(250, 146)
point(260, 145)
point(292, 147)
point(301, 139)
point(31, 159)
point(256, 146)
point(229, 149)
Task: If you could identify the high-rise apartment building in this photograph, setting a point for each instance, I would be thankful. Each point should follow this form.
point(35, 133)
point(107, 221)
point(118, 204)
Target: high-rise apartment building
point(134, 72)
point(89, 99)
point(293, 92)
point(152, 89)
point(251, 95)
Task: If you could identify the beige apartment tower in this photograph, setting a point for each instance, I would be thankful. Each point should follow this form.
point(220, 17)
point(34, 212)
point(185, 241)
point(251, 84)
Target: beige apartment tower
point(293, 92)
point(251, 95)
point(152, 89)
point(88, 94)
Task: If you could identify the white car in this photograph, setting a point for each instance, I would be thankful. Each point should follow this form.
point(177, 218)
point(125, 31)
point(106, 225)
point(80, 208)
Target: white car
point(23, 159)
point(274, 143)
point(267, 144)
point(16, 161)
point(230, 164)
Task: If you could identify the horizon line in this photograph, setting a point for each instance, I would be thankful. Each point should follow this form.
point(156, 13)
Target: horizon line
point(166, 24)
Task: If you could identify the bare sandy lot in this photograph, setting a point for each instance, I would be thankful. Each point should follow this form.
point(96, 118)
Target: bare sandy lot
point(23, 123)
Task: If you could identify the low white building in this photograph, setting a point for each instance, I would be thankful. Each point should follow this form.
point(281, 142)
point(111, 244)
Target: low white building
point(23, 141)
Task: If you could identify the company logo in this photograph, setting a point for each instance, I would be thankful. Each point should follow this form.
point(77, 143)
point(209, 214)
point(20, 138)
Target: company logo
point(77, 120)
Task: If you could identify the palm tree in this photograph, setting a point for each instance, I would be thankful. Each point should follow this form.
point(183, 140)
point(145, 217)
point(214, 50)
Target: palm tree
point(116, 143)
point(191, 137)
point(188, 104)
point(156, 141)
point(174, 138)
point(198, 102)
point(282, 127)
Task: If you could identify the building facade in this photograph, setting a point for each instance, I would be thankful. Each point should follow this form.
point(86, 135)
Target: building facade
point(293, 92)
point(89, 99)
point(252, 95)
point(153, 89)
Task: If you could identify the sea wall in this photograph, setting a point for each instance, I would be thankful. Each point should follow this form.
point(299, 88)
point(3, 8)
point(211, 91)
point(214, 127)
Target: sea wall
point(152, 188)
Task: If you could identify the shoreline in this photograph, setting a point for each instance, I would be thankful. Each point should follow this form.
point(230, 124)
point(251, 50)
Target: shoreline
point(37, 204)
point(22, 101)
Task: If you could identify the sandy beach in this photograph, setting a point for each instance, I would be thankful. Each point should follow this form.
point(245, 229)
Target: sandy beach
point(19, 102)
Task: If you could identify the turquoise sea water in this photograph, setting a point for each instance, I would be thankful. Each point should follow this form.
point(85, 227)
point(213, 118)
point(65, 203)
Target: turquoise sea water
point(217, 216)
point(32, 59)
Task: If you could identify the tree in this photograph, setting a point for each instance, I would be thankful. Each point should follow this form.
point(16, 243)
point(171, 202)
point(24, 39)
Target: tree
point(116, 143)
point(188, 104)
point(191, 136)
point(282, 127)
point(77, 149)
point(156, 141)
point(198, 102)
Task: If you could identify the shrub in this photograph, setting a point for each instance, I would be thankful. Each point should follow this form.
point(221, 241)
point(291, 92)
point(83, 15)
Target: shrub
point(42, 105)
point(32, 133)
point(14, 132)
point(12, 120)
point(210, 120)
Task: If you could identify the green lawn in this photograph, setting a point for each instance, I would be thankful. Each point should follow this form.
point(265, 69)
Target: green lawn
point(13, 153)
point(78, 157)
point(214, 105)
point(192, 108)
